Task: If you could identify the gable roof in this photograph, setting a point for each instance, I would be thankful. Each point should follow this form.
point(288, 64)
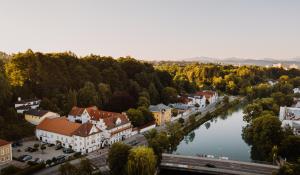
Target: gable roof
point(109, 118)
point(36, 112)
point(59, 125)
point(3, 142)
point(158, 108)
point(85, 130)
point(207, 94)
point(180, 106)
point(28, 100)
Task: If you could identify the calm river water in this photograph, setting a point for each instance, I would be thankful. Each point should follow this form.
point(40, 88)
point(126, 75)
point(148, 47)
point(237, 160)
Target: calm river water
point(220, 136)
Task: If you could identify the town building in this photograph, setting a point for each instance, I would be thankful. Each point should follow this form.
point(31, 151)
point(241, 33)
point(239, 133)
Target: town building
point(290, 116)
point(193, 100)
point(210, 96)
point(35, 116)
point(296, 90)
point(182, 109)
point(161, 113)
point(82, 138)
point(5, 152)
point(24, 105)
point(115, 126)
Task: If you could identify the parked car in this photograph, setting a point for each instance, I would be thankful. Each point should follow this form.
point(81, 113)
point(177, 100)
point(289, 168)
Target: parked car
point(68, 150)
point(16, 144)
point(60, 159)
point(20, 158)
point(50, 144)
point(210, 165)
point(30, 149)
point(26, 158)
point(58, 147)
point(35, 161)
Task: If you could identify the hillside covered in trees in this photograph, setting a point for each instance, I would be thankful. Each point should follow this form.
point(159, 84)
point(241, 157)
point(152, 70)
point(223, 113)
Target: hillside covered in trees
point(63, 80)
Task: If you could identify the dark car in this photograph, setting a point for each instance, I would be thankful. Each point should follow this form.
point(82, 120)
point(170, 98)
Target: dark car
point(60, 159)
point(16, 144)
point(20, 158)
point(35, 161)
point(209, 165)
point(30, 149)
point(50, 144)
point(25, 158)
point(68, 150)
point(58, 147)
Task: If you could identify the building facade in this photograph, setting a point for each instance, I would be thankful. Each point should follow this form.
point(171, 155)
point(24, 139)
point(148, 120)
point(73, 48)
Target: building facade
point(5, 152)
point(24, 105)
point(161, 113)
point(290, 116)
point(115, 126)
point(82, 138)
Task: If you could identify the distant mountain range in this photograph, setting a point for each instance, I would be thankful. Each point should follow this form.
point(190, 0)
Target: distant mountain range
point(242, 61)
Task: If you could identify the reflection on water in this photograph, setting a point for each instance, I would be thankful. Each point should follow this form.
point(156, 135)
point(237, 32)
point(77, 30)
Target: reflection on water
point(220, 136)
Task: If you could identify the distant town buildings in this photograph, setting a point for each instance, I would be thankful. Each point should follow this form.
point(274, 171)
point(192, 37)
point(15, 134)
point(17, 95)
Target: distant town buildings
point(162, 113)
point(24, 105)
point(210, 96)
point(5, 152)
point(35, 116)
point(296, 90)
point(290, 116)
point(278, 65)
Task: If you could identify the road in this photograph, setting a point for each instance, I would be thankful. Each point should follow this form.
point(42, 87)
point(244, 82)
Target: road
point(231, 167)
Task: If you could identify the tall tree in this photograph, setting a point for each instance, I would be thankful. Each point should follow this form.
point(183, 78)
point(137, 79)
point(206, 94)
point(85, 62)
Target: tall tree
point(87, 96)
point(169, 95)
point(141, 161)
point(117, 158)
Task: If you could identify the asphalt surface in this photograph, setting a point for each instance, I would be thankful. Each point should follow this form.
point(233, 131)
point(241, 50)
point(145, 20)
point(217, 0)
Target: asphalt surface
point(189, 162)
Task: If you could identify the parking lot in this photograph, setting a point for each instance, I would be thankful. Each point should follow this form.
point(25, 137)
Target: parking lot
point(45, 155)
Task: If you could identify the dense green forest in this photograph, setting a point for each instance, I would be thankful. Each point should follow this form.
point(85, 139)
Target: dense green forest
point(63, 80)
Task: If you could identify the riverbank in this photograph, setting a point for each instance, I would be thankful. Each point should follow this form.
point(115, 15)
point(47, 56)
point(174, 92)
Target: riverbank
point(210, 114)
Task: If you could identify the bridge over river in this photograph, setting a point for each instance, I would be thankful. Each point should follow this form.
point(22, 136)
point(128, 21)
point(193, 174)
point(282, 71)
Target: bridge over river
point(214, 166)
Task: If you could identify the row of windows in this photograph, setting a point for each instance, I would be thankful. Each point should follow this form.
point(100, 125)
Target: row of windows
point(4, 151)
point(5, 159)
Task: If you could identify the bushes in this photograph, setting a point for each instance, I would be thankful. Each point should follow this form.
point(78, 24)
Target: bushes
point(12, 170)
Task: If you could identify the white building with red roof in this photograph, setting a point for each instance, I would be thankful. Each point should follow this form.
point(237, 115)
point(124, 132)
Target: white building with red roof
point(82, 138)
point(211, 96)
point(115, 126)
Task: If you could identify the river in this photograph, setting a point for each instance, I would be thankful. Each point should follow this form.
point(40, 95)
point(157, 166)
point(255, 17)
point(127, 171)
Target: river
point(220, 136)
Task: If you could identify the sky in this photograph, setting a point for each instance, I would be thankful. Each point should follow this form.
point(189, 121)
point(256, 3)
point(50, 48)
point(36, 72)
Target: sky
point(153, 29)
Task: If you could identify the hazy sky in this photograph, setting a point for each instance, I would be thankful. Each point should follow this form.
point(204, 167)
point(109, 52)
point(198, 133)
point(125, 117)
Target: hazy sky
point(154, 28)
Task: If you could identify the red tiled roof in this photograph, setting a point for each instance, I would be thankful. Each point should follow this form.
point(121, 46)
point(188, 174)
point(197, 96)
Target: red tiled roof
point(109, 118)
point(59, 125)
point(184, 99)
point(207, 94)
point(85, 129)
point(3, 142)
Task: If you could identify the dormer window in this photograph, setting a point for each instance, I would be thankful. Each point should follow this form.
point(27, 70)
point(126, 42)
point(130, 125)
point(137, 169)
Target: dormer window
point(118, 121)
